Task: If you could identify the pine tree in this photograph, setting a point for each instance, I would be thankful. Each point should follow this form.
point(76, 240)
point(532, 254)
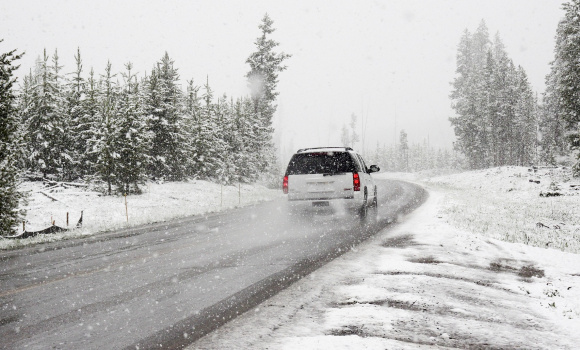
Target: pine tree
point(64, 143)
point(24, 105)
point(464, 98)
point(191, 116)
point(106, 132)
point(567, 73)
point(88, 129)
point(132, 138)
point(245, 162)
point(265, 65)
point(403, 150)
point(552, 128)
point(44, 121)
point(210, 146)
point(230, 144)
point(166, 122)
point(75, 95)
point(525, 125)
point(250, 165)
point(10, 146)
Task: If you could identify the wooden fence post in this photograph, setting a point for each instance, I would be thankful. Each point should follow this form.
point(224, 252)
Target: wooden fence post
point(126, 209)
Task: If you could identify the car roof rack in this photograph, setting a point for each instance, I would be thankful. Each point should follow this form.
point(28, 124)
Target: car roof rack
point(312, 148)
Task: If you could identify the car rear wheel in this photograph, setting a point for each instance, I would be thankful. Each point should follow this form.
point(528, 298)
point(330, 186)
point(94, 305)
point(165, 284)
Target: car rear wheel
point(364, 209)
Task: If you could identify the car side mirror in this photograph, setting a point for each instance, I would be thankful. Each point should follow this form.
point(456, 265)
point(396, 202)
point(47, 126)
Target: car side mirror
point(374, 169)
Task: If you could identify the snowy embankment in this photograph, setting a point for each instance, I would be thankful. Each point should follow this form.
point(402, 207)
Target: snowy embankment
point(468, 269)
point(159, 202)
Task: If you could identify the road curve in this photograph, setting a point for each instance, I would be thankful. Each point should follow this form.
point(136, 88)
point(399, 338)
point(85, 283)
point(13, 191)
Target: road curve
point(166, 285)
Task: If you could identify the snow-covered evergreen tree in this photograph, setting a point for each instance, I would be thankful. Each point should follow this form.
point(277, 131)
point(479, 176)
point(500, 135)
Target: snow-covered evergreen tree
point(526, 125)
point(552, 127)
point(465, 100)
point(230, 141)
point(106, 131)
point(75, 94)
point(564, 80)
point(10, 145)
point(132, 138)
point(44, 120)
point(403, 152)
point(245, 161)
point(265, 65)
point(88, 128)
point(64, 141)
point(191, 114)
point(166, 122)
point(210, 145)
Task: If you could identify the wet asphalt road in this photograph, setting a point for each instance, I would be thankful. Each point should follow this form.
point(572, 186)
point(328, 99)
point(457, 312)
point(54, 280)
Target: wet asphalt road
point(166, 285)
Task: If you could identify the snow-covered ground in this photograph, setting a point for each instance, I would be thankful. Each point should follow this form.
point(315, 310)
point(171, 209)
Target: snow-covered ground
point(439, 279)
point(489, 261)
point(159, 202)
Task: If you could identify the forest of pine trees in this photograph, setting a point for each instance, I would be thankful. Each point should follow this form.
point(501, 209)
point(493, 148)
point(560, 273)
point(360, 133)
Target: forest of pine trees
point(115, 129)
point(499, 121)
point(119, 129)
point(497, 112)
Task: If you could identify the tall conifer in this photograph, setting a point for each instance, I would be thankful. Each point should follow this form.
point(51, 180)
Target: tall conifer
point(10, 145)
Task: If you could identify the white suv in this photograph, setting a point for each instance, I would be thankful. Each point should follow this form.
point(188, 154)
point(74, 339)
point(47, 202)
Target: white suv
point(336, 175)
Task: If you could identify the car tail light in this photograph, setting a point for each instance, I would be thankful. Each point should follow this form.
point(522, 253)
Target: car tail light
point(355, 182)
point(285, 185)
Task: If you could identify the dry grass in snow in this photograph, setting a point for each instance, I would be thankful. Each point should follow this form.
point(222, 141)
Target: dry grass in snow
point(515, 204)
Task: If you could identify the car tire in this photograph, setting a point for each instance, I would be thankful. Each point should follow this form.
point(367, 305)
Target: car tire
point(364, 209)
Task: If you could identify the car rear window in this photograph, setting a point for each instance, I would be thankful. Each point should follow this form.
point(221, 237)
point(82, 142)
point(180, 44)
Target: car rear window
point(320, 163)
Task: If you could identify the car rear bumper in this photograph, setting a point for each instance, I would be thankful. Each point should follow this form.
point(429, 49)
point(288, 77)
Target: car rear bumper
point(336, 204)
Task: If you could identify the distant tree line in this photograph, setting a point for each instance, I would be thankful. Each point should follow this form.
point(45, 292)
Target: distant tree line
point(117, 130)
point(415, 157)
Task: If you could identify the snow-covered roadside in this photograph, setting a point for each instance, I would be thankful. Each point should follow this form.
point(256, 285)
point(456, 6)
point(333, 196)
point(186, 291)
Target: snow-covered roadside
point(422, 284)
point(159, 202)
point(538, 207)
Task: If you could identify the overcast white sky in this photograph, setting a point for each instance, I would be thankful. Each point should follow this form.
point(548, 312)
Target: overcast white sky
point(379, 59)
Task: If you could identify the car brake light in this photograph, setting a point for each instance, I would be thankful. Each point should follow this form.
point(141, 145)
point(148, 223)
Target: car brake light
point(285, 185)
point(355, 181)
